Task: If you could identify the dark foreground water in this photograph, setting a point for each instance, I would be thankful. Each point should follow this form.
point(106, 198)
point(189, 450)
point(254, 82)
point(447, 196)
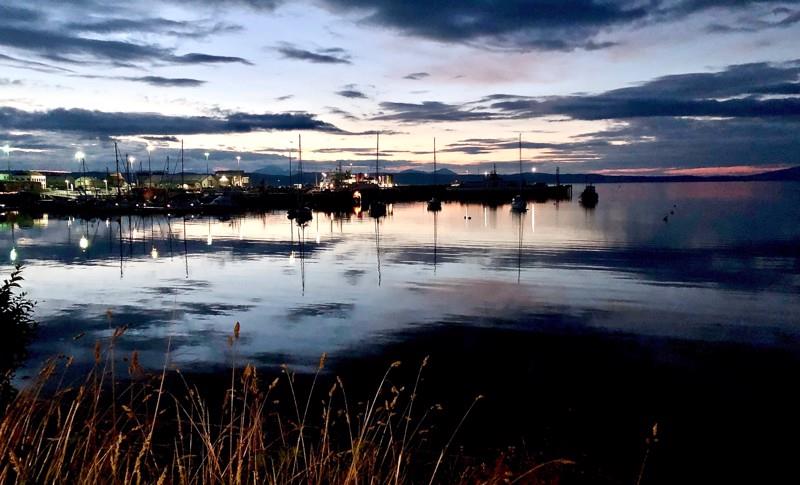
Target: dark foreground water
point(582, 327)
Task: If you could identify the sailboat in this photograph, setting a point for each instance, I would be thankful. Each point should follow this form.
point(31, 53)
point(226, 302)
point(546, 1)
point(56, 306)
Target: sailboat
point(301, 214)
point(434, 205)
point(377, 208)
point(518, 203)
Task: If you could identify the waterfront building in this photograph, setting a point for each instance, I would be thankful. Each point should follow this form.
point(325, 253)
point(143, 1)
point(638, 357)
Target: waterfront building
point(27, 179)
point(232, 178)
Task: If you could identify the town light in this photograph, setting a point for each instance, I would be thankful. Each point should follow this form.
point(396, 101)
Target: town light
point(533, 169)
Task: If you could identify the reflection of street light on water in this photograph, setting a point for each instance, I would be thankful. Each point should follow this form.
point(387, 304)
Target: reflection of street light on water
point(83, 243)
point(13, 254)
point(154, 253)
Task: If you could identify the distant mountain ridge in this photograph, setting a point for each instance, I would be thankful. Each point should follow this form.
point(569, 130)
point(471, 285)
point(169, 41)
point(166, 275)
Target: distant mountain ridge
point(447, 176)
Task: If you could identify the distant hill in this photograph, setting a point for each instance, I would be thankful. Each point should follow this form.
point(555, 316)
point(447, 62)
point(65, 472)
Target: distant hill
point(787, 174)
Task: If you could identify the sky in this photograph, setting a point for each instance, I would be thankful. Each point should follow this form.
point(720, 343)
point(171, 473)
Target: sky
point(603, 86)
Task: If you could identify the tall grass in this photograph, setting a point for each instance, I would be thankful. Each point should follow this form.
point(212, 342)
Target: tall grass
point(161, 428)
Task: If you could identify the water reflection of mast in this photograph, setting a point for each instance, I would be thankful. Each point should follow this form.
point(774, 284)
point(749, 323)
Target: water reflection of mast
point(119, 223)
point(520, 221)
point(185, 248)
point(378, 247)
point(130, 235)
point(435, 237)
point(301, 240)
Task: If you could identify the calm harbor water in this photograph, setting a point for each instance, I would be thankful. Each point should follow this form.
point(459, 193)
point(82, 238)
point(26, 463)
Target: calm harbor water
point(609, 314)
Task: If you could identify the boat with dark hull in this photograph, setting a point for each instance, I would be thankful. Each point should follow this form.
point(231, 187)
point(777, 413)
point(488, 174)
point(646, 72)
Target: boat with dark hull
point(519, 204)
point(589, 197)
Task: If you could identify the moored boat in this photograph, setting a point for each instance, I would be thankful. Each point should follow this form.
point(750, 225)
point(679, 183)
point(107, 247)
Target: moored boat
point(589, 197)
point(519, 204)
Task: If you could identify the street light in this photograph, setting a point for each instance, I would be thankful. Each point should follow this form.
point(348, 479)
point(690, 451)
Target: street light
point(238, 161)
point(81, 157)
point(131, 166)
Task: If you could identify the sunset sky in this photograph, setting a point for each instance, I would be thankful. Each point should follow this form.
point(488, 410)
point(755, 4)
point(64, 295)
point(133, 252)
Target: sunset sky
point(606, 86)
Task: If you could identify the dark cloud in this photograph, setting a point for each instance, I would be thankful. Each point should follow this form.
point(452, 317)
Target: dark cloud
point(99, 123)
point(197, 58)
point(478, 146)
point(333, 55)
point(416, 76)
point(528, 24)
point(162, 138)
point(151, 80)
point(64, 46)
point(351, 93)
point(167, 81)
point(342, 113)
point(744, 91)
point(10, 82)
point(32, 65)
point(431, 111)
point(285, 97)
point(11, 13)
point(681, 142)
point(176, 28)
point(657, 143)
point(752, 23)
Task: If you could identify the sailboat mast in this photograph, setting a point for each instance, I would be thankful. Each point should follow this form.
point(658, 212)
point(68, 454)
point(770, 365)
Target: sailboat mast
point(520, 160)
point(300, 156)
point(434, 160)
point(377, 155)
point(182, 182)
point(116, 176)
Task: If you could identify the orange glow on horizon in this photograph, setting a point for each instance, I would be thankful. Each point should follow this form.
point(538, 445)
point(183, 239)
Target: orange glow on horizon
point(699, 171)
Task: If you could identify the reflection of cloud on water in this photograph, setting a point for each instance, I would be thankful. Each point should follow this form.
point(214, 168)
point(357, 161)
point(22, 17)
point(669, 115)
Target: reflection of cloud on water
point(326, 310)
point(354, 275)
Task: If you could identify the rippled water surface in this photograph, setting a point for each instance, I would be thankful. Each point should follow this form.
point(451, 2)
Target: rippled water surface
point(723, 266)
